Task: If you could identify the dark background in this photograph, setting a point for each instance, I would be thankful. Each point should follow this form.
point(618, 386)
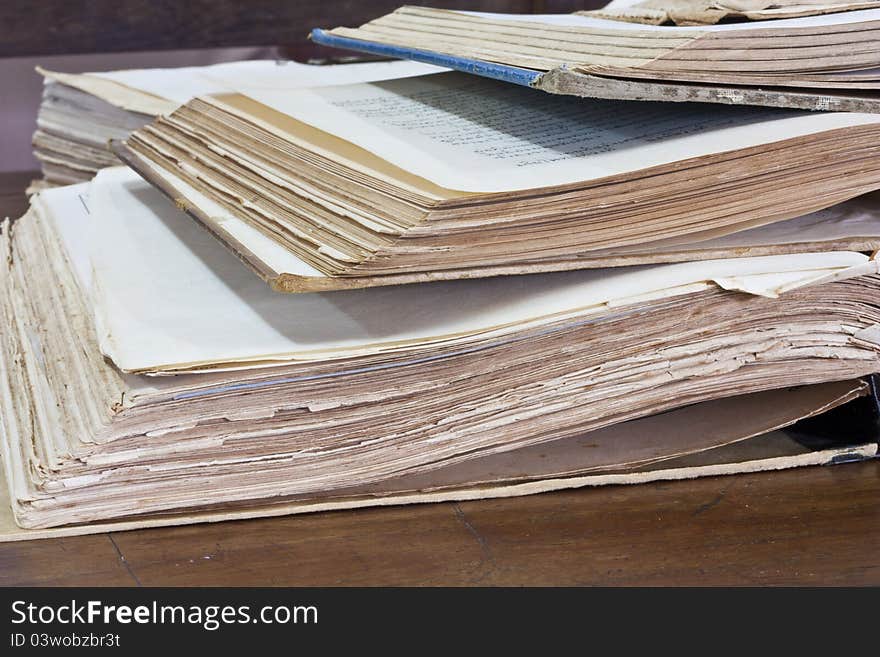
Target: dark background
point(53, 27)
point(76, 36)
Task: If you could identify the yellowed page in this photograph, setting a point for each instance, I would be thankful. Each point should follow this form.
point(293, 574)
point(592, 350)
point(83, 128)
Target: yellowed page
point(766, 452)
point(473, 134)
point(167, 293)
point(156, 91)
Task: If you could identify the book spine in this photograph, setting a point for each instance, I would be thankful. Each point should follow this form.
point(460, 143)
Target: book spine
point(513, 74)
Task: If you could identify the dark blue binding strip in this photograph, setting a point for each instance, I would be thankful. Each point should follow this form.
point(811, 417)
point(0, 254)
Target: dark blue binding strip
point(514, 74)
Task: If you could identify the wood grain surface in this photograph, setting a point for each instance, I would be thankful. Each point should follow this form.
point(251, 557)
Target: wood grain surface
point(812, 526)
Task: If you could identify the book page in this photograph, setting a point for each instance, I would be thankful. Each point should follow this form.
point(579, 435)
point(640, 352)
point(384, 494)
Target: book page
point(269, 251)
point(709, 12)
point(72, 207)
point(167, 293)
point(576, 20)
point(472, 134)
point(858, 217)
point(741, 418)
point(156, 91)
point(181, 84)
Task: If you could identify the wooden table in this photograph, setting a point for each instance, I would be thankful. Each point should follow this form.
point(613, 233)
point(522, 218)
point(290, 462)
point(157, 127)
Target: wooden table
point(816, 525)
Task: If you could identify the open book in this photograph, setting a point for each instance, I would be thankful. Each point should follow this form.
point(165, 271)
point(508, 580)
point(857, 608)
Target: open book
point(147, 378)
point(452, 176)
point(80, 113)
point(827, 61)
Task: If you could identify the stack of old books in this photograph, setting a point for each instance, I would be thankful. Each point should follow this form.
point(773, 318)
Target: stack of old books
point(562, 292)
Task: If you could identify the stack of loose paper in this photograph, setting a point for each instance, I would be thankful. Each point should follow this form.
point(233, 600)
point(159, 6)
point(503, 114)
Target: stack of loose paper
point(450, 176)
point(81, 113)
point(820, 61)
point(148, 378)
point(699, 283)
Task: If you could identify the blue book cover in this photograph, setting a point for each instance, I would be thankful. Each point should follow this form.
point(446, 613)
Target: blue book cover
point(522, 76)
point(566, 81)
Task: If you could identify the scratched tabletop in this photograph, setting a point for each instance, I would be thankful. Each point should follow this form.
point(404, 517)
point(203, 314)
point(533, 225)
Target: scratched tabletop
point(811, 526)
